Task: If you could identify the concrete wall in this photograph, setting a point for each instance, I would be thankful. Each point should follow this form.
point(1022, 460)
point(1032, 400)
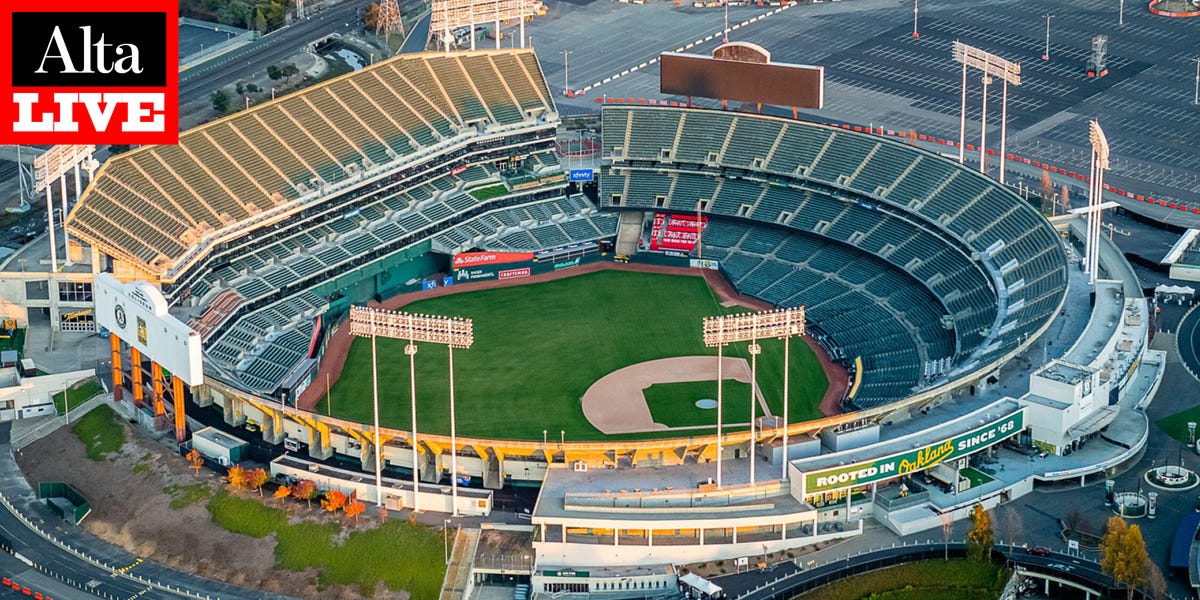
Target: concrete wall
point(32, 396)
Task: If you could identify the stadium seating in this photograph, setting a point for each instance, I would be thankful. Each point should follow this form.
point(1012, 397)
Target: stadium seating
point(945, 244)
point(154, 206)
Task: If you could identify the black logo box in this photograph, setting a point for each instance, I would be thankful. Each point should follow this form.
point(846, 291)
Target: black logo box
point(31, 41)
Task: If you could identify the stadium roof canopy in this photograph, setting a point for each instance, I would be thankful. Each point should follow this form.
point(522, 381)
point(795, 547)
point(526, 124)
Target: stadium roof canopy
point(162, 207)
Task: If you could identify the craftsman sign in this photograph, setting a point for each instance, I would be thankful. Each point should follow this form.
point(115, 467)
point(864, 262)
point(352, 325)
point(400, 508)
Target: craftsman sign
point(914, 460)
point(80, 72)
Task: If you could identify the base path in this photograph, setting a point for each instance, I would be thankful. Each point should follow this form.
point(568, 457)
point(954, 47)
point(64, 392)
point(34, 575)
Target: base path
point(616, 404)
point(338, 346)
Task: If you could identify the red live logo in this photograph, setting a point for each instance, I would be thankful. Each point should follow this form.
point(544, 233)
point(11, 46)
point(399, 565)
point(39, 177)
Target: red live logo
point(82, 72)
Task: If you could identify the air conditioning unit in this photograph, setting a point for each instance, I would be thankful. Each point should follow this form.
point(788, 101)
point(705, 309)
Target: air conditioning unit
point(579, 466)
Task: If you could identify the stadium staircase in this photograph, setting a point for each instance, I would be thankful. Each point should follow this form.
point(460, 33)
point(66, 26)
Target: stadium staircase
point(493, 479)
point(628, 231)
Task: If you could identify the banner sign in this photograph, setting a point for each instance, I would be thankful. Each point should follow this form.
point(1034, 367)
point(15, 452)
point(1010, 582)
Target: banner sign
point(580, 175)
point(857, 474)
point(474, 259)
point(429, 284)
point(137, 313)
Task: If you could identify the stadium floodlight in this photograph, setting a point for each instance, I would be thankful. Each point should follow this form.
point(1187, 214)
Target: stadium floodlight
point(992, 66)
point(1095, 197)
point(751, 327)
point(452, 332)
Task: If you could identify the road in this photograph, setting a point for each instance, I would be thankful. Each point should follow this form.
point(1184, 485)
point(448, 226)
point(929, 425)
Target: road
point(199, 81)
point(64, 574)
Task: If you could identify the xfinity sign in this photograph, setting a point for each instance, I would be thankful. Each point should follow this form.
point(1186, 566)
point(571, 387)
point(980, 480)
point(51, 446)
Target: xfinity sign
point(90, 73)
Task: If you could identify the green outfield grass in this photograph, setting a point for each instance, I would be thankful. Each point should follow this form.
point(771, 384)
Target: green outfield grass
point(539, 347)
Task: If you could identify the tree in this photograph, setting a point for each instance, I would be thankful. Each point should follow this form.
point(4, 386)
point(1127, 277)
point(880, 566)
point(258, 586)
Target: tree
point(1064, 199)
point(911, 137)
point(1014, 525)
point(287, 71)
point(273, 72)
point(260, 21)
point(240, 89)
point(947, 530)
point(1047, 191)
point(333, 500)
point(1156, 585)
point(239, 477)
point(282, 492)
point(220, 100)
point(980, 539)
point(306, 490)
point(354, 509)
point(1123, 554)
point(258, 478)
point(252, 88)
point(373, 17)
point(195, 460)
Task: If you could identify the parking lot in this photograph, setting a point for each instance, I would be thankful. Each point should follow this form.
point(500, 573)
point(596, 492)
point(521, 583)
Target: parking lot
point(877, 73)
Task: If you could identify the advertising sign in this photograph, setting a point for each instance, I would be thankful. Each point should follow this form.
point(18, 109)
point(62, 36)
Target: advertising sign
point(474, 259)
point(429, 284)
point(137, 313)
point(580, 175)
point(474, 274)
point(447, 280)
point(82, 72)
point(515, 273)
point(914, 460)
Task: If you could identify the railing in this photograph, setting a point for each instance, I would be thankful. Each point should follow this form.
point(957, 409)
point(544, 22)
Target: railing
point(115, 571)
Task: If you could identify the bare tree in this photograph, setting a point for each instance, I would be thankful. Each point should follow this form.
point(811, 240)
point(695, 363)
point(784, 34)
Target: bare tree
point(1013, 525)
point(947, 530)
point(1155, 586)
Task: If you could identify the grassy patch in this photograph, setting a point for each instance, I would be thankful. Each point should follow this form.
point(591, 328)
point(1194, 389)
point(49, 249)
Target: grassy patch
point(920, 580)
point(957, 579)
point(674, 404)
point(101, 432)
point(16, 341)
point(1176, 424)
point(539, 347)
point(183, 496)
point(403, 556)
point(976, 476)
point(489, 192)
point(77, 394)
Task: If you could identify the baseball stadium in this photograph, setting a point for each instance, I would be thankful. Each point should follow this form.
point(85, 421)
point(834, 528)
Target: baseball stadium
point(584, 347)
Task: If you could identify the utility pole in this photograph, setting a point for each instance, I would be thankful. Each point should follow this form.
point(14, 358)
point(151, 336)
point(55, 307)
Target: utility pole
point(1046, 53)
point(1121, 20)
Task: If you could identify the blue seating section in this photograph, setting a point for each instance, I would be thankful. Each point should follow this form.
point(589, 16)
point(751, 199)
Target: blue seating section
point(940, 231)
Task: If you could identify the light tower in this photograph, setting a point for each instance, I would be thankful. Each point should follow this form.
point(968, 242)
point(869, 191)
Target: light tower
point(389, 19)
point(752, 327)
point(453, 332)
point(1095, 194)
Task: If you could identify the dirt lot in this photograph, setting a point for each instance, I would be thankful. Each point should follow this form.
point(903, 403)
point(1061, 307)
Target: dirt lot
point(130, 509)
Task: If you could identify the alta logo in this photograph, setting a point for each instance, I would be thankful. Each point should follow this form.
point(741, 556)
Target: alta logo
point(82, 72)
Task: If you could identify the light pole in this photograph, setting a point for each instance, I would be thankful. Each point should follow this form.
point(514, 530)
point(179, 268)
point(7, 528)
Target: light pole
point(1095, 197)
point(1121, 19)
point(1046, 53)
point(725, 32)
point(566, 71)
point(445, 540)
point(1196, 98)
point(916, 10)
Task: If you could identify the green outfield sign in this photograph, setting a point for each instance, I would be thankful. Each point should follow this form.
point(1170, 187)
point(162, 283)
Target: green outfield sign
point(914, 460)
